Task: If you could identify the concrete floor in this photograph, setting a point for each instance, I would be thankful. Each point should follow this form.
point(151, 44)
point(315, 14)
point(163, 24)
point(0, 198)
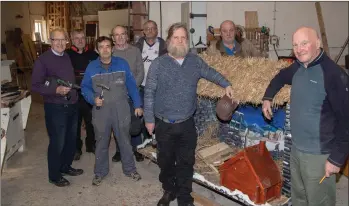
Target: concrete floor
point(24, 180)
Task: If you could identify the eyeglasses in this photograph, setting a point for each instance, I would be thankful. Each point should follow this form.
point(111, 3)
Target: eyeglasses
point(150, 29)
point(59, 41)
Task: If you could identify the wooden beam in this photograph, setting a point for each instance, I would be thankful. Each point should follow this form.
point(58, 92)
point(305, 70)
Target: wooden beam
point(322, 27)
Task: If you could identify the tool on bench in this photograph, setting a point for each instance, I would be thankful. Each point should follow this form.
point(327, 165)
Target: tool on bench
point(101, 95)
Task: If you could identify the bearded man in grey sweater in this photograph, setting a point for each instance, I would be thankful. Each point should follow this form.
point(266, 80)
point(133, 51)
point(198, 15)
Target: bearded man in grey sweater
point(134, 58)
point(169, 105)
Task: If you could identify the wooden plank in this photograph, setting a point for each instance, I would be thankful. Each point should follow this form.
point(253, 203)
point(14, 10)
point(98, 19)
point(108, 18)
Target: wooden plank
point(322, 27)
point(251, 19)
point(218, 152)
point(202, 201)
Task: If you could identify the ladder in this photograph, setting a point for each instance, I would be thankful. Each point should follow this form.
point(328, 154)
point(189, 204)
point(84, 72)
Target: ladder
point(140, 13)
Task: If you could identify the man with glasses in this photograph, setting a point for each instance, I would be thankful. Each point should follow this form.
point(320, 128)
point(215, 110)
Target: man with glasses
point(80, 56)
point(228, 45)
point(133, 56)
point(151, 47)
point(60, 106)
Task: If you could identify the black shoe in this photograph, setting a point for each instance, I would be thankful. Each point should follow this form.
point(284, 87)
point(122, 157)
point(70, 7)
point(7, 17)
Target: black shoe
point(166, 198)
point(77, 155)
point(116, 157)
point(139, 156)
point(61, 182)
point(73, 172)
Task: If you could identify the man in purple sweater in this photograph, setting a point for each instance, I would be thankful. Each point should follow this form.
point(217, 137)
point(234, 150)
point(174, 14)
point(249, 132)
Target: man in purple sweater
point(60, 105)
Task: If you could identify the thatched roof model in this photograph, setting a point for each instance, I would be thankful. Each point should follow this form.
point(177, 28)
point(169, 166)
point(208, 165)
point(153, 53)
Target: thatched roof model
point(249, 78)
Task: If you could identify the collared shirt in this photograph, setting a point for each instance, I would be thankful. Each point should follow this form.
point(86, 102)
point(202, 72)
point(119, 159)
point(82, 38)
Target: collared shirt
point(56, 53)
point(229, 51)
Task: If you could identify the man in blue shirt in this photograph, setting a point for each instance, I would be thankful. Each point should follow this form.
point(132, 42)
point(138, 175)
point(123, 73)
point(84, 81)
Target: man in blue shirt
point(228, 45)
point(113, 110)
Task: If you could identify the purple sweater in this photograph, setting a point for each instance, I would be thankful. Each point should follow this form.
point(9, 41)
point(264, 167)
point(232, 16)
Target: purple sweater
point(50, 65)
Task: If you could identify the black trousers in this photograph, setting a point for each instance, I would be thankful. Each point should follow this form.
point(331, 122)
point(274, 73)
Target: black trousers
point(85, 112)
point(176, 145)
point(145, 133)
point(61, 124)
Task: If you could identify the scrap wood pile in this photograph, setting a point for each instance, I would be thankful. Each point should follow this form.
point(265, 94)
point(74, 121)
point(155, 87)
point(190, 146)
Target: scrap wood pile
point(249, 78)
point(207, 141)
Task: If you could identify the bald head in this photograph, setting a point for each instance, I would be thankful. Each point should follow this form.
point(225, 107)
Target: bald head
point(306, 44)
point(227, 23)
point(227, 29)
point(306, 31)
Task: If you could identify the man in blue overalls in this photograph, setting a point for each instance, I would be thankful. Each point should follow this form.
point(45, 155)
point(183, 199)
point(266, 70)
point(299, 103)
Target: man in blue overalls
point(112, 111)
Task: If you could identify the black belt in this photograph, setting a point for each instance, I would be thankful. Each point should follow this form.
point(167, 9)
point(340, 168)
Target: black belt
point(172, 121)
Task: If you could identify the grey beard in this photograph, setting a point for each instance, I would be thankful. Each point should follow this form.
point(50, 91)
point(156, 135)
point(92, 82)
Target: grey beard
point(179, 51)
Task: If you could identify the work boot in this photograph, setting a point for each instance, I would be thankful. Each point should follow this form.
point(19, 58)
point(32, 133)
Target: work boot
point(139, 157)
point(96, 181)
point(61, 182)
point(134, 176)
point(188, 204)
point(116, 157)
point(166, 198)
point(77, 155)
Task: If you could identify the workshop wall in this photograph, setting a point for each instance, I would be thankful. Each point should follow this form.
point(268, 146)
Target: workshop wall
point(288, 16)
point(26, 12)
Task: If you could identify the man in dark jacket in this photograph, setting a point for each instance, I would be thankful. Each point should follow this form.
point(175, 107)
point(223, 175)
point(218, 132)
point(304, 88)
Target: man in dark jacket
point(80, 57)
point(151, 47)
point(318, 117)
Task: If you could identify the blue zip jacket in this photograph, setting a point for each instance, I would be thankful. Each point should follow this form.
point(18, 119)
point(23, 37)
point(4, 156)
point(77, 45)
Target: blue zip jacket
point(117, 64)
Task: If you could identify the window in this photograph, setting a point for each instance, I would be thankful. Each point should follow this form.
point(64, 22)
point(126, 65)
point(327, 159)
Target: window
point(38, 31)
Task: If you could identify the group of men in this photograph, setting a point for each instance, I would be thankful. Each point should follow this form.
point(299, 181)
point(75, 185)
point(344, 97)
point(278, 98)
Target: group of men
point(120, 80)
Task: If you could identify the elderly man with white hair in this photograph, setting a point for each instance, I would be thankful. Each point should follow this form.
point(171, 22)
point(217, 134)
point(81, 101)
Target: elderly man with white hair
point(61, 112)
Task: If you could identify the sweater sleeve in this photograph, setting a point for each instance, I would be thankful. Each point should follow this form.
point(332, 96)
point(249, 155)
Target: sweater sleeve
point(39, 76)
point(338, 95)
point(139, 76)
point(212, 75)
point(132, 88)
point(283, 77)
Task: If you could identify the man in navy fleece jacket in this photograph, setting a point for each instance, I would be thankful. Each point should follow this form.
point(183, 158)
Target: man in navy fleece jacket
point(319, 119)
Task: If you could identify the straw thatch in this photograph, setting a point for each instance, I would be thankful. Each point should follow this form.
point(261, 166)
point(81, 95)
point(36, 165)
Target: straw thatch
point(249, 78)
